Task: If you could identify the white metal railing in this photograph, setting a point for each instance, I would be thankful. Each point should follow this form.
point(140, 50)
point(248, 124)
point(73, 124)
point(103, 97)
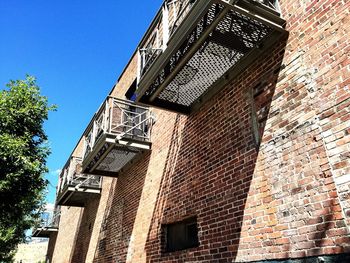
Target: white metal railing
point(52, 220)
point(181, 9)
point(170, 16)
point(165, 24)
point(270, 4)
point(121, 118)
point(71, 176)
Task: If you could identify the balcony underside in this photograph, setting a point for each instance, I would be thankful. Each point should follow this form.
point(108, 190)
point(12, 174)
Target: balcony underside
point(110, 155)
point(214, 44)
point(77, 196)
point(44, 231)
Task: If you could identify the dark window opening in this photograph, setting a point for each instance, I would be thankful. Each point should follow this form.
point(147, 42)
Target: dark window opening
point(130, 93)
point(102, 245)
point(181, 235)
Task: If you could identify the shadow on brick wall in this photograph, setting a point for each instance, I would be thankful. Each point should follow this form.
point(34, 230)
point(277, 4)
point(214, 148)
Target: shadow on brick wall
point(123, 202)
point(84, 231)
point(51, 245)
point(208, 173)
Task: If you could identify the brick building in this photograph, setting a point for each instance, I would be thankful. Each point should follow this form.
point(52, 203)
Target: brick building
point(235, 149)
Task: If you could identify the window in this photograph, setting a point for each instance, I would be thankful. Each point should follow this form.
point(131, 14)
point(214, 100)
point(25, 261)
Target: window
point(181, 235)
point(130, 93)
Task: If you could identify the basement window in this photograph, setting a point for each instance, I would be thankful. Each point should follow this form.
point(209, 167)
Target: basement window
point(181, 235)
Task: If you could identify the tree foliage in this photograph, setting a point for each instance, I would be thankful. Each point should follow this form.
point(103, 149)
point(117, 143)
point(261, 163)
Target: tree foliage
point(23, 153)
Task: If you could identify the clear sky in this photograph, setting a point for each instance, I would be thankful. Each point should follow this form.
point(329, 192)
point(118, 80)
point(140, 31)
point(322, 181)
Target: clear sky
point(76, 50)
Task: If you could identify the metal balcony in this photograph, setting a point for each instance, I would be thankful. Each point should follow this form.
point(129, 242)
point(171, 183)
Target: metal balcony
point(76, 188)
point(119, 132)
point(193, 47)
point(48, 225)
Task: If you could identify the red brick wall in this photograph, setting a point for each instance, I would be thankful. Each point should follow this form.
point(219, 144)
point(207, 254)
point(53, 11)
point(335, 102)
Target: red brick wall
point(104, 203)
point(80, 228)
point(119, 221)
point(214, 167)
point(61, 251)
point(84, 231)
point(288, 198)
point(128, 217)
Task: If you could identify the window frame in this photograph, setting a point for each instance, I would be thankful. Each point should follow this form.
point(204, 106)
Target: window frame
point(181, 228)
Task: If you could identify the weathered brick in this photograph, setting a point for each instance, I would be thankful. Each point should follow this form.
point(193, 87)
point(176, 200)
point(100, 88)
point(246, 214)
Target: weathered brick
point(283, 197)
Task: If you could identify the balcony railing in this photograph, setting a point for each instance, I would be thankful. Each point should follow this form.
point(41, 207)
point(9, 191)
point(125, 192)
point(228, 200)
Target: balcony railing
point(163, 27)
point(76, 188)
point(192, 46)
point(118, 132)
point(48, 225)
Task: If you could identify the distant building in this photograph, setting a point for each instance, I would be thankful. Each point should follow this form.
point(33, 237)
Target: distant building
point(225, 139)
point(35, 249)
point(33, 252)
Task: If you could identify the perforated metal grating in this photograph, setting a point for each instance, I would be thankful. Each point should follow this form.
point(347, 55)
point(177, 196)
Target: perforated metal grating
point(233, 38)
point(117, 158)
point(200, 72)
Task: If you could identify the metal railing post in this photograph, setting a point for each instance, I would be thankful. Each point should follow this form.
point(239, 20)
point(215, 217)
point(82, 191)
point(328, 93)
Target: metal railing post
point(111, 106)
point(139, 68)
point(105, 125)
point(70, 172)
point(93, 135)
point(165, 26)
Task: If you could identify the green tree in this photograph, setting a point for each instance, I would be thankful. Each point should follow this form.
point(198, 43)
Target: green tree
point(23, 153)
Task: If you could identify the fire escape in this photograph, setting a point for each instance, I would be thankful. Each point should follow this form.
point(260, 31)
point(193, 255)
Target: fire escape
point(194, 46)
point(190, 51)
point(76, 188)
point(118, 132)
point(48, 224)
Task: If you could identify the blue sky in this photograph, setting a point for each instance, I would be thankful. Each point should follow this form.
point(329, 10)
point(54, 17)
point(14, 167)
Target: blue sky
point(76, 50)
